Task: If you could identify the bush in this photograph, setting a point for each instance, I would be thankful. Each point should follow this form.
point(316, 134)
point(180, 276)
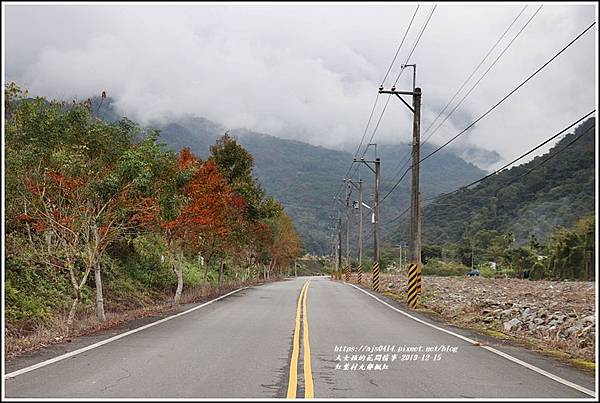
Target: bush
point(33, 293)
point(436, 267)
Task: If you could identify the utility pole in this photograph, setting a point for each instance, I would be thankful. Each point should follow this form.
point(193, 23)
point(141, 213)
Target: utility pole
point(348, 264)
point(376, 225)
point(339, 259)
point(400, 263)
point(414, 255)
point(375, 216)
point(358, 186)
point(415, 205)
point(360, 230)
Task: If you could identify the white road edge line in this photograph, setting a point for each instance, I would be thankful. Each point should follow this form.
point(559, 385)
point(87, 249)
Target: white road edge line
point(106, 341)
point(491, 349)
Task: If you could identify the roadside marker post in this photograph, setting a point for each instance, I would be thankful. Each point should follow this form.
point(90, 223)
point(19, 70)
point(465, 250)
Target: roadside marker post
point(359, 273)
point(376, 276)
point(413, 275)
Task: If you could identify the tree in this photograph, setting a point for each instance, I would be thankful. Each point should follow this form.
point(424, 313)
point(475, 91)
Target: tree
point(236, 164)
point(286, 244)
point(60, 158)
point(571, 251)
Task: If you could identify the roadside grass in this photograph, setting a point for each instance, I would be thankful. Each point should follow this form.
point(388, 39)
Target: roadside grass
point(589, 366)
point(127, 297)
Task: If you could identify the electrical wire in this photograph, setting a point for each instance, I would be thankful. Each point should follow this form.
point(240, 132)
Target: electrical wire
point(405, 160)
point(490, 109)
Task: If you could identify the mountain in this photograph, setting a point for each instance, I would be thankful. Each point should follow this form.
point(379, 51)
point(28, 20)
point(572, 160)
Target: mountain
point(305, 177)
point(557, 193)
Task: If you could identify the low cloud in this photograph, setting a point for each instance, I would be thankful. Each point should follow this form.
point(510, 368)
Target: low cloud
point(309, 71)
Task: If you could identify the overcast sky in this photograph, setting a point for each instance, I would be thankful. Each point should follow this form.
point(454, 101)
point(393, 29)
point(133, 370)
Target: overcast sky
point(311, 71)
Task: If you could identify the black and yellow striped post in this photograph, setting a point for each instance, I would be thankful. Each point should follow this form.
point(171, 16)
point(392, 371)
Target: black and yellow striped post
point(375, 276)
point(348, 270)
point(359, 273)
point(418, 279)
point(413, 274)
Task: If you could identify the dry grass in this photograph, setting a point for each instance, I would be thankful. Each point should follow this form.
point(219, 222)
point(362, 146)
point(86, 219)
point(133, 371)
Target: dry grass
point(19, 341)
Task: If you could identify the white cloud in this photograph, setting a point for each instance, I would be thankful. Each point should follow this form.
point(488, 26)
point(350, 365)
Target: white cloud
point(308, 71)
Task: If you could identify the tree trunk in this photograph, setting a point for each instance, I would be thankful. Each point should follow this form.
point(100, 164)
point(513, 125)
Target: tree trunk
point(99, 296)
point(71, 317)
point(179, 274)
point(205, 273)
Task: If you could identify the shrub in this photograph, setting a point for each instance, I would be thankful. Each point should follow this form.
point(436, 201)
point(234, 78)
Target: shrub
point(436, 267)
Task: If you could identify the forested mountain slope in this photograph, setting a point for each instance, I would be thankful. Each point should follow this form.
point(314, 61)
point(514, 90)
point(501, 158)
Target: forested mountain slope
point(559, 192)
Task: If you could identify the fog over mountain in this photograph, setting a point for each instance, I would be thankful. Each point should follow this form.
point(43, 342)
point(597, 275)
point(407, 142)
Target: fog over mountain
point(311, 71)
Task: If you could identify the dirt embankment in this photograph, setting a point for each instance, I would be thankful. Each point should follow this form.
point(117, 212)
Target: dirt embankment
point(553, 316)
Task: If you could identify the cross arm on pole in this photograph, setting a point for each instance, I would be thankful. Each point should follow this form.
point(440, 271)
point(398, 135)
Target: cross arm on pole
point(366, 163)
point(354, 183)
point(406, 103)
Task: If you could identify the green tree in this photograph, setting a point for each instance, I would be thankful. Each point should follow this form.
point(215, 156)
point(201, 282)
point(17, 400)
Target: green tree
point(236, 164)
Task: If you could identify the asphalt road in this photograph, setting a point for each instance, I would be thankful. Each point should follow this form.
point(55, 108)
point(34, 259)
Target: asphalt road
point(248, 344)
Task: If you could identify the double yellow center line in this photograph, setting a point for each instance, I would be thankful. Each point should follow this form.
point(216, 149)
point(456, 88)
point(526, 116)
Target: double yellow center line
point(309, 390)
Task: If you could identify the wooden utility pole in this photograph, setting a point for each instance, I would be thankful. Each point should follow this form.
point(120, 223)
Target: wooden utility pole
point(358, 186)
point(375, 216)
point(376, 209)
point(348, 264)
point(415, 208)
point(339, 259)
point(360, 231)
point(414, 253)
point(400, 263)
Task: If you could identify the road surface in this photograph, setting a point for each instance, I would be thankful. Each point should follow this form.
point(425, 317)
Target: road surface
point(279, 340)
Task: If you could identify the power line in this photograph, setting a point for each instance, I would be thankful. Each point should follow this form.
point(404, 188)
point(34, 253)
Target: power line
point(400, 46)
point(509, 94)
point(549, 157)
point(399, 74)
point(416, 43)
point(491, 109)
point(484, 74)
point(373, 110)
point(405, 160)
point(477, 67)
point(518, 158)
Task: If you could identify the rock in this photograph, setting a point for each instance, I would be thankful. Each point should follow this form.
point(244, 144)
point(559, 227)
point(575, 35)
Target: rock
point(573, 329)
point(538, 321)
point(526, 312)
point(590, 318)
point(511, 324)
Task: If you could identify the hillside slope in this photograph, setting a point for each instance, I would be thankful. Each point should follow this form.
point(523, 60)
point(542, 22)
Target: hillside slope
point(559, 192)
point(305, 177)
